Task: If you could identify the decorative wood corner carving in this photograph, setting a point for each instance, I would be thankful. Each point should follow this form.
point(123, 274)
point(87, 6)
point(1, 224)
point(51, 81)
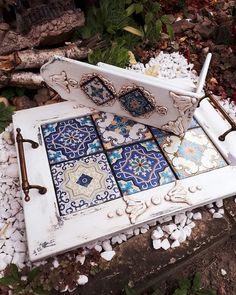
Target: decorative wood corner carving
point(63, 81)
point(185, 104)
point(175, 127)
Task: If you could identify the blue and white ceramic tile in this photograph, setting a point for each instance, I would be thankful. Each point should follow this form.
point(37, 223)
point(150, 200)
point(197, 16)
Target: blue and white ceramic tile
point(139, 167)
point(70, 139)
point(83, 183)
point(193, 124)
point(191, 155)
point(136, 103)
point(117, 131)
point(98, 90)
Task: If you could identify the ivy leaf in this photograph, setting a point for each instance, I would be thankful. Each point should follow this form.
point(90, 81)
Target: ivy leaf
point(184, 284)
point(5, 116)
point(131, 9)
point(41, 291)
point(130, 291)
point(165, 19)
point(138, 8)
point(196, 282)
point(158, 26)
point(8, 281)
point(180, 292)
point(148, 18)
point(15, 273)
point(33, 274)
point(170, 31)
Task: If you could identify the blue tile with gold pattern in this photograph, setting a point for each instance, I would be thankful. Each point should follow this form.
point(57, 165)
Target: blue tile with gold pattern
point(191, 155)
point(117, 131)
point(139, 167)
point(70, 139)
point(83, 183)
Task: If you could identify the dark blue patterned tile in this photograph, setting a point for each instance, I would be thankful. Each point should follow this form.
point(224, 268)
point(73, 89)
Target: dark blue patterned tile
point(117, 131)
point(136, 101)
point(98, 89)
point(70, 139)
point(140, 167)
point(83, 183)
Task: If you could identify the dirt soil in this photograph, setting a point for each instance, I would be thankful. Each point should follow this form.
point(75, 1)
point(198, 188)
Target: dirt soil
point(210, 264)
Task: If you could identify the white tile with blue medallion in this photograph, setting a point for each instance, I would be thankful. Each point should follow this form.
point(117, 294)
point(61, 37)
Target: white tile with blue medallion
point(70, 139)
point(83, 183)
point(191, 155)
point(139, 167)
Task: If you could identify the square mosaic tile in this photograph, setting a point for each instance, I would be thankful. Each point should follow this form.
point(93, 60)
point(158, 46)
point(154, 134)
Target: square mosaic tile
point(116, 131)
point(191, 155)
point(83, 183)
point(70, 139)
point(98, 89)
point(139, 167)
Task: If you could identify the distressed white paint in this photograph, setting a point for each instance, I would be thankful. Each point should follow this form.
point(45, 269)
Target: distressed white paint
point(48, 233)
point(64, 75)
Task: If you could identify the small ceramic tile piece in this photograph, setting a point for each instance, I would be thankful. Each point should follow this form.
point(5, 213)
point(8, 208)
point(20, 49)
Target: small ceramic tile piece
point(136, 101)
point(70, 139)
point(139, 167)
point(191, 155)
point(83, 183)
point(116, 131)
point(98, 89)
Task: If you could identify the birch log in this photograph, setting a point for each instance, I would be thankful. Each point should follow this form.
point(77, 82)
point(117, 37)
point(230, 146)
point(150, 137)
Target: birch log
point(22, 79)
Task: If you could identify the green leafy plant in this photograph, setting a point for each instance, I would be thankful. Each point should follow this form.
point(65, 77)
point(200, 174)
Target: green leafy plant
point(5, 116)
point(13, 280)
point(192, 287)
point(11, 92)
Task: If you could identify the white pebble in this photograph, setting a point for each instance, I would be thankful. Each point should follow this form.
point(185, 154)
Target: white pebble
point(156, 244)
point(108, 255)
point(190, 214)
point(12, 170)
point(143, 230)
point(179, 218)
point(223, 272)
point(98, 248)
point(3, 156)
point(82, 280)
point(157, 235)
point(182, 236)
point(212, 210)
point(197, 216)
point(175, 244)
point(209, 206)
point(219, 203)
point(136, 231)
point(217, 215)
point(175, 235)
point(55, 263)
point(221, 211)
point(167, 219)
point(192, 224)
point(188, 230)
point(106, 245)
point(165, 244)
point(169, 228)
point(81, 259)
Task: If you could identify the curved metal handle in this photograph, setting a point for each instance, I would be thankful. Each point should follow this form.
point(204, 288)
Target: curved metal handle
point(25, 183)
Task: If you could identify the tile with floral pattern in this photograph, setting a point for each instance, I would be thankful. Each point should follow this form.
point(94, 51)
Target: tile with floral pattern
point(117, 131)
point(139, 167)
point(70, 139)
point(83, 183)
point(191, 155)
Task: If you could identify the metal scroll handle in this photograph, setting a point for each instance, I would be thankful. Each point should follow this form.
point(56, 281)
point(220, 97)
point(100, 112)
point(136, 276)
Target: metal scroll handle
point(25, 183)
point(217, 105)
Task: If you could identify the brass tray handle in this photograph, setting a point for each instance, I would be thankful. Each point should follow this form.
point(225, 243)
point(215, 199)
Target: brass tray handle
point(25, 183)
point(217, 105)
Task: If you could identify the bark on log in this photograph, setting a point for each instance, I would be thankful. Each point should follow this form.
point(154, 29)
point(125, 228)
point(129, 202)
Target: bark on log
point(22, 79)
point(33, 58)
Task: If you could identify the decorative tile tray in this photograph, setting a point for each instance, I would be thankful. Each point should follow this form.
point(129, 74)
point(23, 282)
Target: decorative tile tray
point(165, 104)
point(100, 174)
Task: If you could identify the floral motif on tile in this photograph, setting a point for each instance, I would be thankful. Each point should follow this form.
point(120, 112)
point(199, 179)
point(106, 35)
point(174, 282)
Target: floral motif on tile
point(139, 102)
point(117, 131)
point(100, 90)
point(70, 139)
point(191, 155)
point(83, 183)
point(139, 167)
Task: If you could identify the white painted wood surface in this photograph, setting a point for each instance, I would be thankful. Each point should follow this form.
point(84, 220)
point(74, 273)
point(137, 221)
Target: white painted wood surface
point(48, 233)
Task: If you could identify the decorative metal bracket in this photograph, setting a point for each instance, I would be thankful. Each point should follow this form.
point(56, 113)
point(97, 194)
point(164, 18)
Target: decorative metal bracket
point(217, 105)
point(25, 183)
